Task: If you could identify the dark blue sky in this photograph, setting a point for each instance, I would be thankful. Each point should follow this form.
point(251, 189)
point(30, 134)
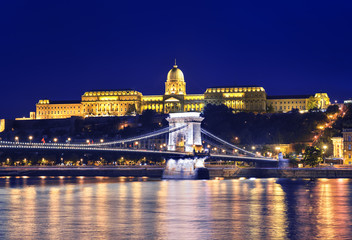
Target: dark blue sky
point(59, 49)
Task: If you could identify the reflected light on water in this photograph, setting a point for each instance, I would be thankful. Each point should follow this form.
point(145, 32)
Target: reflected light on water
point(117, 208)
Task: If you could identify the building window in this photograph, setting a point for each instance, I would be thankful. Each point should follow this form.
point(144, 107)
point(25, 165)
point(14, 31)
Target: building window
point(349, 138)
point(349, 146)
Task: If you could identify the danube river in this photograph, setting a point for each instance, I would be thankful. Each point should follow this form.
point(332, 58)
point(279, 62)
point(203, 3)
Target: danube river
point(122, 208)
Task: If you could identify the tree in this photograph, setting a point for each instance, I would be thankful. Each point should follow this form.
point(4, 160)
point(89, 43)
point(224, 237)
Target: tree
point(299, 147)
point(147, 119)
point(312, 156)
point(131, 110)
point(270, 108)
point(332, 109)
point(347, 119)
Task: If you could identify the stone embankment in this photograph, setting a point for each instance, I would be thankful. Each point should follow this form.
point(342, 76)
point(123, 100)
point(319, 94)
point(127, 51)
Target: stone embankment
point(280, 173)
point(157, 172)
point(86, 172)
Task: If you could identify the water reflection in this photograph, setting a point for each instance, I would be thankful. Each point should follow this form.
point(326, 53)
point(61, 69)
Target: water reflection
point(125, 208)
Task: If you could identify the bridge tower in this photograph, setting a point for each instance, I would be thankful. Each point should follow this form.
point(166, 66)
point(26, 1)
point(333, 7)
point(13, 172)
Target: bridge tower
point(185, 138)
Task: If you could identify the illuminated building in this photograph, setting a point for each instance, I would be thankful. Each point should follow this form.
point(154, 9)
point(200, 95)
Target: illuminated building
point(337, 143)
point(246, 98)
point(348, 101)
point(2, 125)
point(46, 109)
point(303, 103)
point(347, 146)
point(175, 99)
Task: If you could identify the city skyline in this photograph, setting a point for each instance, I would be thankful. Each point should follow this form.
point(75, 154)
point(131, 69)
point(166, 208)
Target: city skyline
point(60, 51)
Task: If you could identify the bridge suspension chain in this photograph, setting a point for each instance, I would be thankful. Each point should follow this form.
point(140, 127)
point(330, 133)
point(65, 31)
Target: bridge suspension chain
point(132, 139)
point(226, 143)
point(138, 138)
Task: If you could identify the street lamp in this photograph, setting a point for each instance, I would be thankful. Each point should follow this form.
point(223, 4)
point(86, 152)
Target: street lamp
point(30, 139)
point(69, 140)
point(16, 139)
point(101, 140)
point(55, 140)
point(87, 141)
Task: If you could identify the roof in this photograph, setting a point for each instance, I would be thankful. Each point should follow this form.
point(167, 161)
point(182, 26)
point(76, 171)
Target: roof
point(111, 90)
point(240, 86)
point(289, 96)
point(65, 102)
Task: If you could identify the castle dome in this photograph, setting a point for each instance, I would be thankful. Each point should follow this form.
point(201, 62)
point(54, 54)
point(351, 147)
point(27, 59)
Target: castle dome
point(175, 74)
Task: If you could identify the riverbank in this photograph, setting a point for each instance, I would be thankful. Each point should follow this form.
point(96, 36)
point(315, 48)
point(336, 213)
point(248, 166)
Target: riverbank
point(82, 171)
point(280, 173)
point(157, 172)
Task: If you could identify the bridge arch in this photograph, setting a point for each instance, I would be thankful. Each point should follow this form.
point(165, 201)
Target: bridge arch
point(190, 135)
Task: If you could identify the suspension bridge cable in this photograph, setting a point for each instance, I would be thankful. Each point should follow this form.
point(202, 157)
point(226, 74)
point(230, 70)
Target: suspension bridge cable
point(225, 142)
point(137, 138)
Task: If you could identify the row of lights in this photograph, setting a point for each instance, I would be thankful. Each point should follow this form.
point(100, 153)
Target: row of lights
point(80, 148)
point(101, 140)
point(40, 146)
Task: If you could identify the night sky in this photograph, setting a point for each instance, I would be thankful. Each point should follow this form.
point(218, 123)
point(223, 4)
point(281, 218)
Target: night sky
point(59, 49)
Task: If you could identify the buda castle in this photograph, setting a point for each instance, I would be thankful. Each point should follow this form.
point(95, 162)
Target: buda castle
point(175, 99)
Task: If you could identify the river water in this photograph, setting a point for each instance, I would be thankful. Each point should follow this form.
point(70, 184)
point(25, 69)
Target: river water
point(123, 208)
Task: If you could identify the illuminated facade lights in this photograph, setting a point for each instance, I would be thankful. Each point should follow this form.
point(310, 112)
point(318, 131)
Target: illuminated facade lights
point(175, 99)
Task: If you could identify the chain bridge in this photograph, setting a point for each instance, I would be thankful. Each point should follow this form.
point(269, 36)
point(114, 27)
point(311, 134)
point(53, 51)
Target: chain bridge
point(183, 137)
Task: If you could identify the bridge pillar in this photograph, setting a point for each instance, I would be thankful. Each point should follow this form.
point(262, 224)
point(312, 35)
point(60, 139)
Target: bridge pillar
point(187, 137)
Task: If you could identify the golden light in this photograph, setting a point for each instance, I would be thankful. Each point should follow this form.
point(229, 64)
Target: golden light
point(16, 138)
point(69, 139)
point(253, 147)
point(87, 141)
point(30, 138)
point(101, 140)
point(277, 148)
point(325, 147)
point(136, 143)
point(55, 140)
